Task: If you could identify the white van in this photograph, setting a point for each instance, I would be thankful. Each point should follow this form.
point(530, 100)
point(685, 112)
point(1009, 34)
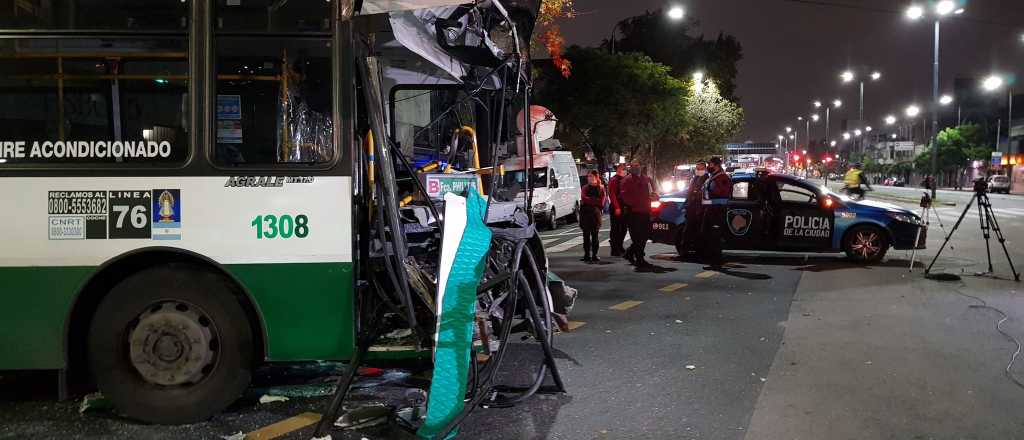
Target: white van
point(556, 186)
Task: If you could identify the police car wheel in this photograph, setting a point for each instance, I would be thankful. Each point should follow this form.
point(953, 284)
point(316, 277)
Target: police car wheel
point(866, 244)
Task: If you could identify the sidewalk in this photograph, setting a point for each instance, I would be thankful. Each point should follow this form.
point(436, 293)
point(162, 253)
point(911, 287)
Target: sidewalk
point(896, 356)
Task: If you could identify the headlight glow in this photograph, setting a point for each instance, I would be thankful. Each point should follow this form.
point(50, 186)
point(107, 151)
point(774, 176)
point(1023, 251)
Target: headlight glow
point(666, 186)
point(905, 218)
point(681, 185)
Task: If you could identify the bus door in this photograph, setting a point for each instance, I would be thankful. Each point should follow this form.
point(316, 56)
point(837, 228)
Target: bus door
point(800, 221)
point(746, 215)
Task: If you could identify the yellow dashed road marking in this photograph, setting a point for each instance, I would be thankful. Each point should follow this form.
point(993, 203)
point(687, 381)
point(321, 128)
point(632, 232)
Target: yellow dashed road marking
point(573, 325)
point(673, 287)
point(706, 274)
point(626, 305)
point(284, 427)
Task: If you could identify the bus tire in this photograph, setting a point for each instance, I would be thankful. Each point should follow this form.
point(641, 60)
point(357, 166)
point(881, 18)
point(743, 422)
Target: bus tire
point(866, 244)
point(171, 345)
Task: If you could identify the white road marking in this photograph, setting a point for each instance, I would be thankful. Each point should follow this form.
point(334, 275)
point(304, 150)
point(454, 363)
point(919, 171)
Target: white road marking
point(562, 247)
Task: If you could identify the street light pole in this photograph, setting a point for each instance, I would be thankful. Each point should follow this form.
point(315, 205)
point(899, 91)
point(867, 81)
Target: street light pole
point(827, 124)
point(935, 111)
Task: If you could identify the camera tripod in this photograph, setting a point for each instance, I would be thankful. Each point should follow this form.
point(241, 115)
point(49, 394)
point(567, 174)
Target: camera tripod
point(988, 222)
point(927, 210)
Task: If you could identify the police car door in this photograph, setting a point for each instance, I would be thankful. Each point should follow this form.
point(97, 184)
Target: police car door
point(800, 222)
point(744, 218)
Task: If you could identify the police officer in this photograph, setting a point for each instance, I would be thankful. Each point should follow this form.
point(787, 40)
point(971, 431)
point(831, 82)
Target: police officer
point(694, 208)
point(618, 230)
point(636, 196)
point(717, 190)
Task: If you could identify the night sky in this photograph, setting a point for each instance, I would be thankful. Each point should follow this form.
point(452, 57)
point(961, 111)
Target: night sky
point(795, 51)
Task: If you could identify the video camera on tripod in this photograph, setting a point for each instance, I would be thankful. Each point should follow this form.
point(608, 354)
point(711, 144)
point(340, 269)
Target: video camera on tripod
point(988, 224)
point(980, 186)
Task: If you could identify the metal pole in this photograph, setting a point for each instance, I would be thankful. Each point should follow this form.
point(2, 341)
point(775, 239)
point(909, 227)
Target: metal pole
point(808, 132)
point(860, 121)
point(1009, 124)
point(826, 127)
point(999, 132)
point(935, 111)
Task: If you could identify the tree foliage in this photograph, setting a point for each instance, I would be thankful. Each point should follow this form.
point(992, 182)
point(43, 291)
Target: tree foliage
point(627, 104)
point(670, 43)
point(957, 146)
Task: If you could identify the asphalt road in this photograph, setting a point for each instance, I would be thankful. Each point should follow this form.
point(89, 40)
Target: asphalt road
point(782, 346)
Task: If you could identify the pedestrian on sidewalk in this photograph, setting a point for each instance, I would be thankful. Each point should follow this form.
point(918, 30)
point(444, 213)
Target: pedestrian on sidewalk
point(694, 208)
point(592, 199)
point(618, 215)
point(637, 194)
point(717, 191)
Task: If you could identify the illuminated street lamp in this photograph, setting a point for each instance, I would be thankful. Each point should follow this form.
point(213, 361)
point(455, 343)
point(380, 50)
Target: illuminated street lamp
point(991, 84)
point(942, 9)
point(915, 12)
point(857, 132)
point(946, 100)
point(846, 136)
point(849, 76)
point(835, 104)
point(913, 111)
point(890, 120)
point(676, 13)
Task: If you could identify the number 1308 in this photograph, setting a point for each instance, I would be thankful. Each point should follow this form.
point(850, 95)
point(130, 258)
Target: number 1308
point(272, 226)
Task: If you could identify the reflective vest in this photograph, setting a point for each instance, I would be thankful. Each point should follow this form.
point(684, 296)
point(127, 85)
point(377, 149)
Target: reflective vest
point(852, 178)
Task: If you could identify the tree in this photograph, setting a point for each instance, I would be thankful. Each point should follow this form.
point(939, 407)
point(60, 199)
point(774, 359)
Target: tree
point(671, 44)
point(957, 146)
point(623, 103)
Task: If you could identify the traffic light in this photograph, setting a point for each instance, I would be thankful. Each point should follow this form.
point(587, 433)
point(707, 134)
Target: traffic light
point(828, 159)
point(796, 158)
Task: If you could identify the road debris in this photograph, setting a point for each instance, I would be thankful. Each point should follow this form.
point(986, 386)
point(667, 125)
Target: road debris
point(236, 436)
point(691, 367)
point(398, 334)
point(94, 401)
point(679, 321)
point(365, 417)
point(267, 398)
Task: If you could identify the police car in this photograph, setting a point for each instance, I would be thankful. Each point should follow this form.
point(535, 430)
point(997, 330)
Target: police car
point(776, 212)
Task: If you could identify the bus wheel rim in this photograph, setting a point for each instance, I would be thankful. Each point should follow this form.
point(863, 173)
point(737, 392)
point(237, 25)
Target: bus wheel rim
point(173, 343)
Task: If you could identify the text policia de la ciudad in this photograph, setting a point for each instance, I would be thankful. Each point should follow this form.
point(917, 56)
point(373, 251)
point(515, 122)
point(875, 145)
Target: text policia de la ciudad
point(84, 149)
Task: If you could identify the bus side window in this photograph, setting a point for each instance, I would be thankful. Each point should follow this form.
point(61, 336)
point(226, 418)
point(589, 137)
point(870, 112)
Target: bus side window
point(273, 90)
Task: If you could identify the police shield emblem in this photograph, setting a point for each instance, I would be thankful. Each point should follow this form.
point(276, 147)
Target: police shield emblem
point(739, 221)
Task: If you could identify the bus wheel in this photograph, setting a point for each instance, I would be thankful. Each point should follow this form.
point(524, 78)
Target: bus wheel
point(866, 245)
point(171, 345)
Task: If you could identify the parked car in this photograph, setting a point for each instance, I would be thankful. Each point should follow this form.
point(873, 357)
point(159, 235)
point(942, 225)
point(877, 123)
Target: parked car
point(776, 212)
point(999, 184)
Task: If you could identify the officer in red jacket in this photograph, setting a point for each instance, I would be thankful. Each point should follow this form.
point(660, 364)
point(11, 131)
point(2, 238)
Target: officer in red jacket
point(636, 196)
point(717, 191)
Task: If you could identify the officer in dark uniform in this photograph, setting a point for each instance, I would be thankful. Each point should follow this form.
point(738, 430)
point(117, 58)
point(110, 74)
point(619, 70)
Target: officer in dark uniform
point(694, 208)
point(717, 190)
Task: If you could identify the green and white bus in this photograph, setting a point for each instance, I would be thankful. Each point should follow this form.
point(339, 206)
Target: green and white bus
point(176, 192)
